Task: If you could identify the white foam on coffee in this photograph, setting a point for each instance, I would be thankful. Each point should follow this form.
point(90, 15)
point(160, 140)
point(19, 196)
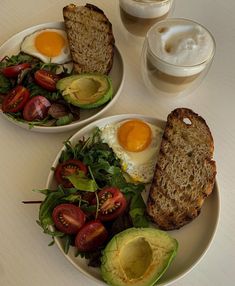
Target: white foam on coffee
point(179, 43)
point(146, 8)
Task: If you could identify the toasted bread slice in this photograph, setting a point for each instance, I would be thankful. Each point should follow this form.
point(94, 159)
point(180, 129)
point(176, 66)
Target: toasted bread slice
point(185, 172)
point(90, 38)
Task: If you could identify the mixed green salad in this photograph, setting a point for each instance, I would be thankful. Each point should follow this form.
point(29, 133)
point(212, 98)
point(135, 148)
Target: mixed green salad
point(28, 91)
point(48, 94)
point(93, 201)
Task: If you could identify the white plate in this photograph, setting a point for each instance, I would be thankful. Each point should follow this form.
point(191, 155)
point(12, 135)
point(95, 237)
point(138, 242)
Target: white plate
point(12, 46)
point(194, 239)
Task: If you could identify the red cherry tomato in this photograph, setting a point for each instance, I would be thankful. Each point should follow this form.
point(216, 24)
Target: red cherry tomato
point(112, 203)
point(46, 79)
point(36, 108)
point(68, 218)
point(92, 235)
point(13, 71)
point(66, 168)
point(16, 99)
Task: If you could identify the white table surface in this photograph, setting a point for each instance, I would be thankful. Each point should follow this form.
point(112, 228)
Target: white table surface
point(26, 157)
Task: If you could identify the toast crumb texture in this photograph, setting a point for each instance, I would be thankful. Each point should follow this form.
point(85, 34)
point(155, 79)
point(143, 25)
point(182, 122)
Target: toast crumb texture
point(90, 38)
point(185, 172)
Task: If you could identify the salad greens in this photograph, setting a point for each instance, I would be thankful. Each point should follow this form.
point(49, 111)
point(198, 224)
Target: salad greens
point(5, 84)
point(26, 78)
point(17, 59)
point(104, 170)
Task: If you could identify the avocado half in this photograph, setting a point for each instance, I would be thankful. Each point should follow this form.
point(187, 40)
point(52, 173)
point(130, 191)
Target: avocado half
point(86, 90)
point(137, 256)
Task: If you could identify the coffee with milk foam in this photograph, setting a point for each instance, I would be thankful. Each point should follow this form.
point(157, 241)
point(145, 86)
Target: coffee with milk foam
point(139, 15)
point(177, 51)
point(181, 44)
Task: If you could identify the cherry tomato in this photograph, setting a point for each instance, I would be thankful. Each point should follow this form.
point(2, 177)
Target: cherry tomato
point(36, 108)
point(68, 218)
point(46, 79)
point(112, 203)
point(16, 99)
point(13, 71)
point(92, 235)
point(66, 168)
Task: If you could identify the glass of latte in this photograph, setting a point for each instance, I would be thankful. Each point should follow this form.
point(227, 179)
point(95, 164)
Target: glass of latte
point(176, 56)
point(139, 15)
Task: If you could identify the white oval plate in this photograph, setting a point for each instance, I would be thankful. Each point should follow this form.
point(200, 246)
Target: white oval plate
point(194, 239)
point(12, 46)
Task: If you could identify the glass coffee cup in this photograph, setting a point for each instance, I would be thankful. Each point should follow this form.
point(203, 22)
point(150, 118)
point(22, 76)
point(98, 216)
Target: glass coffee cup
point(139, 15)
point(176, 56)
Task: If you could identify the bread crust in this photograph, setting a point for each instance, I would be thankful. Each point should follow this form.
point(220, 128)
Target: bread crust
point(90, 38)
point(185, 171)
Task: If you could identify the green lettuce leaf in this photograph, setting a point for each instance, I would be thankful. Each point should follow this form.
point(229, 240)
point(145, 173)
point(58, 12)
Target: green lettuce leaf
point(82, 183)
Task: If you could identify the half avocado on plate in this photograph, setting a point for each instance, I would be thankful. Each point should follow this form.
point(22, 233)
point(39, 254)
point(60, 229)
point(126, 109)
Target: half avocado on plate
point(86, 90)
point(137, 256)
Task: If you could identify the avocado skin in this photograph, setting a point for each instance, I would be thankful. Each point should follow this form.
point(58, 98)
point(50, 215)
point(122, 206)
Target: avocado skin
point(65, 82)
point(110, 261)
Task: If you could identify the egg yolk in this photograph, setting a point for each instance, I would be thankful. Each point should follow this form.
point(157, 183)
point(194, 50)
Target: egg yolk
point(49, 43)
point(134, 135)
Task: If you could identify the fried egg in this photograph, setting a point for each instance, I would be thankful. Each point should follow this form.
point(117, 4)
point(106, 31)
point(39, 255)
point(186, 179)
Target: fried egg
point(136, 143)
point(49, 45)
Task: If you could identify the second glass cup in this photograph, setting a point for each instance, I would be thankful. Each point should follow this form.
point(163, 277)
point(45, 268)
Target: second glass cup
point(139, 15)
point(176, 56)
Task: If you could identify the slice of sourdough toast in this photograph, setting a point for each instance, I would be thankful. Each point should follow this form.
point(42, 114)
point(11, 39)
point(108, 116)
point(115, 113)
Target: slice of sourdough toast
point(185, 172)
point(90, 38)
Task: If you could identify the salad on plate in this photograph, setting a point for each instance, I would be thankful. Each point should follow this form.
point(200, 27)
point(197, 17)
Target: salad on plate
point(98, 210)
point(48, 94)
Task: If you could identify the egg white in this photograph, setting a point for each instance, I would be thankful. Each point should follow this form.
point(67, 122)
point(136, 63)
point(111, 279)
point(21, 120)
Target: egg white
point(28, 47)
point(138, 165)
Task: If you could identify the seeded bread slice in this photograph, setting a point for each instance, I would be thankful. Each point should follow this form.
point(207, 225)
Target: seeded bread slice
point(185, 172)
point(90, 38)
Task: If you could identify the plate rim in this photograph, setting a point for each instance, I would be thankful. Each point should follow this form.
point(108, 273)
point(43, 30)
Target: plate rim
point(75, 124)
point(115, 118)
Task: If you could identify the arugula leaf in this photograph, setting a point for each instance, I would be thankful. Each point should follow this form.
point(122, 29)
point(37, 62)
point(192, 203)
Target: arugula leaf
point(47, 207)
point(89, 208)
point(119, 181)
point(65, 119)
point(37, 90)
point(73, 198)
point(139, 218)
point(137, 209)
point(17, 59)
point(5, 84)
point(43, 191)
point(68, 239)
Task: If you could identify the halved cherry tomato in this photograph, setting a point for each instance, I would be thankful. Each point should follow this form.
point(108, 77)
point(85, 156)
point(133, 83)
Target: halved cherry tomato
point(68, 218)
point(46, 79)
point(92, 235)
point(13, 71)
point(66, 168)
point(112, 203)
point(16, 99)
point(36, 108)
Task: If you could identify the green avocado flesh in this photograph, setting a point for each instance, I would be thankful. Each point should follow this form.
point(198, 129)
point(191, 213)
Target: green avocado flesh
point(137, 256)
point(86, 90)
